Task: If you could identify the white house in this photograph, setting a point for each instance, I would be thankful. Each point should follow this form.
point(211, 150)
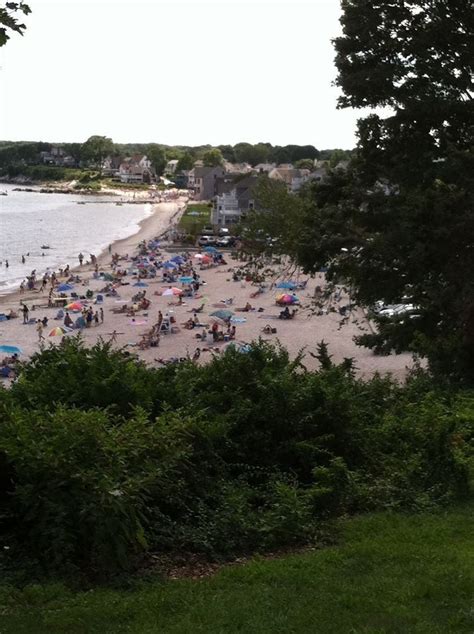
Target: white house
point(136, 169)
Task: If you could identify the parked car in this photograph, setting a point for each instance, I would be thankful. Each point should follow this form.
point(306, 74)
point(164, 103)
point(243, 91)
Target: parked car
point(223, 232)
point(206, 241)
point(226, 241)
point(208, 231)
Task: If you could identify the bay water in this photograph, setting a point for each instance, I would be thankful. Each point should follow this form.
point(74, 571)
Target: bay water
point(31, 220)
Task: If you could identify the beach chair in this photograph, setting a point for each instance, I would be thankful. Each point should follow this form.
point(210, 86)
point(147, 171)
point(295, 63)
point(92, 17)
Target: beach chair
point(99, 299)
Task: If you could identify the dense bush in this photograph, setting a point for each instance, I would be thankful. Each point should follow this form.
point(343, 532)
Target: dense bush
point(102, 458)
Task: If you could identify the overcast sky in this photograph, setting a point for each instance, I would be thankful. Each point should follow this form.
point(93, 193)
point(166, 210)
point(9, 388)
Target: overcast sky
point(176, 72)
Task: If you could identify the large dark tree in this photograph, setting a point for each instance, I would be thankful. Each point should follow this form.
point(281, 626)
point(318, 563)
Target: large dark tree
point(399, 223)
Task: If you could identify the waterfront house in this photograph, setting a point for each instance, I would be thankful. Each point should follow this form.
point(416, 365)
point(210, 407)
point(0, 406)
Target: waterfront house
point(202, 181)
point(111, 165)
point(136, 169)
point(235, 196)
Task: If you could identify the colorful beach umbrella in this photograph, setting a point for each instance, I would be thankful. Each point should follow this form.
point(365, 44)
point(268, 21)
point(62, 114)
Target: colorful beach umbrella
point(285, 298)
point(59, 331)
point(172, 291)
point(10, 349)
point(74, 306)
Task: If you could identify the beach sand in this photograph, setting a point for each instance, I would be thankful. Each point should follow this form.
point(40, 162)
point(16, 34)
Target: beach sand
point(299, 334)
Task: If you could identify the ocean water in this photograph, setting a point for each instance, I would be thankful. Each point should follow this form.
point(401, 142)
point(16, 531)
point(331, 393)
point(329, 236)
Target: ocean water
point(30, 220)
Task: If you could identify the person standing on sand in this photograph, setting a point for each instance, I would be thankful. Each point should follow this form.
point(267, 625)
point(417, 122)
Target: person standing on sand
point(39, 330)
point(101, 315)
point(25, 310)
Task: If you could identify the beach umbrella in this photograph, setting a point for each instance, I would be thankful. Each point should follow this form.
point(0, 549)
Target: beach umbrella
point(211, 250)
point(285, 298)
point(107, 277)
point(74, 306)
point(65, 287)
point(178, 259)
point(222, 314)
point(10, 349)
point(206, 260)
point(186, 279)
point(59, 331)
point(170, 265)
point(199, 256)
point(290, 285)
point(141, 284)
point(172, 291)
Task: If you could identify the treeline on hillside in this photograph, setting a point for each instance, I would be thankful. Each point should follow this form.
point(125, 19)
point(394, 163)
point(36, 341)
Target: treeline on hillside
point(103, 459)
point(15, 156)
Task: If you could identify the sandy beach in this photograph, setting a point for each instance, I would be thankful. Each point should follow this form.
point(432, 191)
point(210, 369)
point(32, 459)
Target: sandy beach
point(301, 333)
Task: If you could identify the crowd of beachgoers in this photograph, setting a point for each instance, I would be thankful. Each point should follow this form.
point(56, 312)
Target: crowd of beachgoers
point(167, 304)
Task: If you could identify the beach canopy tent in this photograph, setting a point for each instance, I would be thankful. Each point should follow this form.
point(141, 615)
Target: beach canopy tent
point(80, 323)
point(65, 287)
point(285, 298)
point(142, 284)
point(222, 314)
point(10, 349)
point(290, 285)
point(58, 331)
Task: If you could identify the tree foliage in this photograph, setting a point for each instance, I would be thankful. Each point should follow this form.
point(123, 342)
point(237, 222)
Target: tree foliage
point(213, 158)
point(157, 156)
point(9, 21)
point(102, 458)
point(398, 224)
point(96, 148)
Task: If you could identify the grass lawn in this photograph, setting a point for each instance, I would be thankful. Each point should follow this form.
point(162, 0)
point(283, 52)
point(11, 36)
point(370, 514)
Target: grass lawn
point(192, 223)
point(390, 573)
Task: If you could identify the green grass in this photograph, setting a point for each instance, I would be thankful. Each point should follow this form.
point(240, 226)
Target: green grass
point(390, 573)
point(194, 224)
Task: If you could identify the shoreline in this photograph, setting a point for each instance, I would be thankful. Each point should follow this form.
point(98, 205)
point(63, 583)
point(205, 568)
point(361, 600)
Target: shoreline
point(163, 217)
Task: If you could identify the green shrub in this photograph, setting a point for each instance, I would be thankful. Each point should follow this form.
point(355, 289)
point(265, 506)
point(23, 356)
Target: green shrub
point(102, 458)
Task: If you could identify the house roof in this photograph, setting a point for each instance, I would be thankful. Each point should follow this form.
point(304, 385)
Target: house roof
point(202, 172)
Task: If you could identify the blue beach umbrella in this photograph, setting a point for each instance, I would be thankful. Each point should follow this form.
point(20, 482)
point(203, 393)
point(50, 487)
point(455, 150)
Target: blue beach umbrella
point(65, 287)
point(290, 285)
point(178, 259)
point(222, 314)
point(10, 349)
point(186, 279)
point(140, 284)
point(211, 250)
point(170, 265)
